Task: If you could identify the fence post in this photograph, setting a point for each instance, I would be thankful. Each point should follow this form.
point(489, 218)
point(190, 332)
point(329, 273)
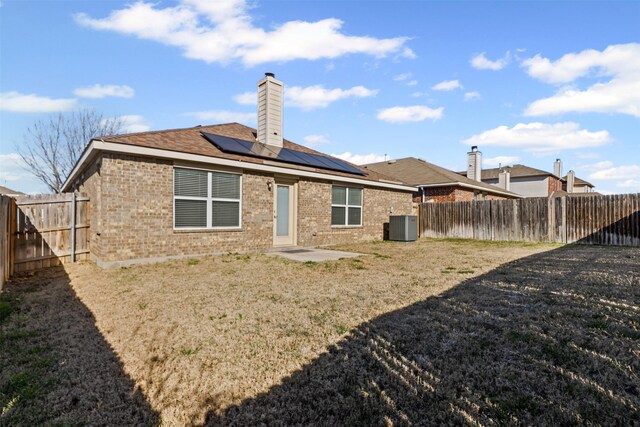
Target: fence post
point(73, 227)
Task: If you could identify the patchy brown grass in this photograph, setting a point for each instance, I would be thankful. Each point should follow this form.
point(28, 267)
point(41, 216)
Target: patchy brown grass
point(447, 331)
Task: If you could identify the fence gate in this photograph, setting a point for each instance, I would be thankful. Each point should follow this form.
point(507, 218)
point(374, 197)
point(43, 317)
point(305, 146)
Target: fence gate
point(42, 231)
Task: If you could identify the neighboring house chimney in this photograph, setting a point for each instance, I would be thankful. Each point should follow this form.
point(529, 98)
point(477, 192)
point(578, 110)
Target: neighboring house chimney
point(557, 168)
point(474, 164)
point(270, 110)
point(571, 179)
point(504, 180)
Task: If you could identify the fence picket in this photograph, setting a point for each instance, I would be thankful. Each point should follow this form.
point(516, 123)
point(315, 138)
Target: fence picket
point(602, 220)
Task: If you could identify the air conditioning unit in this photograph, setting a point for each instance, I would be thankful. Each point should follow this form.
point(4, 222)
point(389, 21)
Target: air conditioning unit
point(403, 228)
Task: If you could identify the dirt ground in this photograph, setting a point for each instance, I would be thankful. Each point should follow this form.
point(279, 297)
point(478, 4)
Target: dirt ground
point(433, 332)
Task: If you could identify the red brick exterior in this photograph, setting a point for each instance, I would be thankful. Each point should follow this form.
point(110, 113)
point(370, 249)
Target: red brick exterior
point(555, 184)
point(132, 213)
point(452, 194)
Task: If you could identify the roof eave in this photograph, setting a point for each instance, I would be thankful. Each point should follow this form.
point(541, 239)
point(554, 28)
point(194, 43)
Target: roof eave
point(475, 187)
point(96, 146)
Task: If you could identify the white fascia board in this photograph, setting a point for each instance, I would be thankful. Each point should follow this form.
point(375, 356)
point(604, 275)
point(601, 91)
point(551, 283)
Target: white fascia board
point(474, 187)
point(112, 147)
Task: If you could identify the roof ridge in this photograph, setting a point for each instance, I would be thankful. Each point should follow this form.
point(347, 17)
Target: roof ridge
point(150, 132)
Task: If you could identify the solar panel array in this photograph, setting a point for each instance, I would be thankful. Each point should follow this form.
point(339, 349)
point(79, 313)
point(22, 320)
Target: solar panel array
point(248, 148)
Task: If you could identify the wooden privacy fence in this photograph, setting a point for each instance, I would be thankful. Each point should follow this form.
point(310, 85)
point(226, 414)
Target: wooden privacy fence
point(602, 220)
point(42, 231)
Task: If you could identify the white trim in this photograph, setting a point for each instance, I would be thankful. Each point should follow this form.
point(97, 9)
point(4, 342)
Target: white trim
point(474, 187)
point(98, 145)
point(209, 203)
point(347, 206)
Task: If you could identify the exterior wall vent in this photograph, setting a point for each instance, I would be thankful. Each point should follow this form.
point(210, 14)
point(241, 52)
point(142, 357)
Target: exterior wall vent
point(270, 92)
point(403, 228)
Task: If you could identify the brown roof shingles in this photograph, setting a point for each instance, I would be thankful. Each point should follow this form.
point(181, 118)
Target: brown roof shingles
point(418, 172)
point(190, 140)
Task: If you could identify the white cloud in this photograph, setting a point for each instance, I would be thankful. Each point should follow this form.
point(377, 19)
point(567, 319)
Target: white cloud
point(223, 31)
point(447, 85)
point(627, 177)
point(402, 77)
point(470, 96)
point(412, 83)
point(414, 113)
point(20, 103)
point(222, 116)
point(311, 97)
point(14, 174)
point(633, 185)
point(605, 164)
point(315, 140)
point(629, 172)
point(587, 155)
point(540, 137)
point(102, 91)
point(481, 62)
point(134, 123)
point(360, 159)
point(493, 162)
point(620, 94)
point(246, 98)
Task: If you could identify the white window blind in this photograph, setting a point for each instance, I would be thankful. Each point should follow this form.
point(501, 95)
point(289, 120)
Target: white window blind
point(346, 205)
point(204, 199)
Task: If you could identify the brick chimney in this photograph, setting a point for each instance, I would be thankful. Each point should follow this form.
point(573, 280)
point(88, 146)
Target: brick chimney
point(270, 92)
point(504, 180)
point(557, 168)
point(571, 180)
point(474, 164)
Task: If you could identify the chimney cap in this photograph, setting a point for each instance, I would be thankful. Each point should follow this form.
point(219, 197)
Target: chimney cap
point(474, 148)
point(269, 75)
point(557, 160)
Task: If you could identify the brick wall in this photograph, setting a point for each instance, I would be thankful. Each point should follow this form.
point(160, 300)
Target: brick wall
point(555, 184)
point(132, 213)
point(314, 214)
point(452, 194)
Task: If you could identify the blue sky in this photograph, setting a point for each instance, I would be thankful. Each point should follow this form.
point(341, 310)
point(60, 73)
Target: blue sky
point(528, 82)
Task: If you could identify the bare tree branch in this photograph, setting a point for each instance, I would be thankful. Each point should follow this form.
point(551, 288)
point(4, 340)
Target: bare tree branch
point(51, 147)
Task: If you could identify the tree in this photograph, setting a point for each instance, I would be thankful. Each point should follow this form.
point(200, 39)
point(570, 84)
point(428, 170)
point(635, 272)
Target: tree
point(51, 147)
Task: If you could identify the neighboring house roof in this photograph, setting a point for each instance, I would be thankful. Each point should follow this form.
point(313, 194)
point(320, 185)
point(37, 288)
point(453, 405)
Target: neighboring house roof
point(516, 171)
point(420, 173)
point(188, 144)
point(8, 191)
point(578, 181)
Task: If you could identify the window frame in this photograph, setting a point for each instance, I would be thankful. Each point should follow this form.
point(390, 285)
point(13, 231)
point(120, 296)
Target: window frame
point(347, 206)
point(209, 201)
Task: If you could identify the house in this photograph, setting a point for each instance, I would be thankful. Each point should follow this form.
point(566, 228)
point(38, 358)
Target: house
point(4, 191)
point(226, 188)
point(437, 184)
point(521, 179)
point(579, 185)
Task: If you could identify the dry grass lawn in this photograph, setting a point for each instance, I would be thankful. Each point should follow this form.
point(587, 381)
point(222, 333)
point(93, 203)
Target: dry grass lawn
point(425, 333)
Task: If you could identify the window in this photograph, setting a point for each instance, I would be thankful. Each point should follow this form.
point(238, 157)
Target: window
point(203, 199)
point(346, 206)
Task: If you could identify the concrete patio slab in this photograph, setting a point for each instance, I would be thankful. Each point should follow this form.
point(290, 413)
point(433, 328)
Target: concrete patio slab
point(311, 254)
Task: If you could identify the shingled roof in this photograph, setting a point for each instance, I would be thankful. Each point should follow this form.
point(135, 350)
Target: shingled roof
point(578, 181)
point(419, 173)
point(191, 141)
point(515, 170)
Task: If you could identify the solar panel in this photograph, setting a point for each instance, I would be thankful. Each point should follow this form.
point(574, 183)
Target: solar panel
point(286, 155)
